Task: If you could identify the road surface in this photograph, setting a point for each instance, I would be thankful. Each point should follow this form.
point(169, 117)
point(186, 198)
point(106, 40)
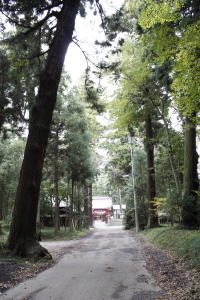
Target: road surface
point(106, 265)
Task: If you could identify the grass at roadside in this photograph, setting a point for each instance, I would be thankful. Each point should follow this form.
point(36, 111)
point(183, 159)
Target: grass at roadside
point(185, 243)
point(48, 234)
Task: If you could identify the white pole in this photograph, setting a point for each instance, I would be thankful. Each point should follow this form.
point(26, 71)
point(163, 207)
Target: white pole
point(133, 183)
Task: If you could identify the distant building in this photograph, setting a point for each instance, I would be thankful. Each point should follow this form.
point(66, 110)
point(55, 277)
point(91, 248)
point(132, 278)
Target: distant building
point(101, 202)
point(64, 215)
point(118, 211)
point(101, 207)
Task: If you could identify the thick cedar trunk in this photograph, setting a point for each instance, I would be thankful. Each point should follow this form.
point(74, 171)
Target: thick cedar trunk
point(22, 239)
point(38, 222)
point(56, 180)
point(151, 187)
point(190, 180)
point(86, 207)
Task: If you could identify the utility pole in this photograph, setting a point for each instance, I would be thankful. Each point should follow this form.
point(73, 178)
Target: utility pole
point(130, 141)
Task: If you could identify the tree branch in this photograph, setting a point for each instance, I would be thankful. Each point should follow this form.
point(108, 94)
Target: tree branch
point(85, 55)
point(31, 28)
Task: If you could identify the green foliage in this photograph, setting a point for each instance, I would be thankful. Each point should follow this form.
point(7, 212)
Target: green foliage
point(173, 35)
point(78, 142)
point(11, 155)
point(185, 243)
point(69, 159)
point(130, 218)
point(92, 95)
point(169, 206)
point(186, 82)
point(159, 12)
point(164, 176)
point(168, 36)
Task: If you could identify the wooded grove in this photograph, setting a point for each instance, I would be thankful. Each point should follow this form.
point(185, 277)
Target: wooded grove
point(144, 85)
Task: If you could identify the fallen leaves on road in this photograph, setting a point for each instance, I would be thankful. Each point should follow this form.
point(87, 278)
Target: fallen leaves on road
point(171, 274)
point(13, 272)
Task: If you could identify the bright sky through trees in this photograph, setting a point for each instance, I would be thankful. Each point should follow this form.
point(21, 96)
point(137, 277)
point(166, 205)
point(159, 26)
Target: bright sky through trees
point(87, 30)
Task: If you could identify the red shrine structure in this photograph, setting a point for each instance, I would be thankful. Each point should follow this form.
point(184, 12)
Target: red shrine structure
point(101, 208)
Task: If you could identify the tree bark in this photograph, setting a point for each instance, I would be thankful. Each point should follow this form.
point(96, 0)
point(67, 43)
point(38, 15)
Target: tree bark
point(190, 179)
point(90, 205)
point(151, 186)
point(38, 222)
point(56, 181)
point(22, 238)
point(79, 214)
point(86, 207)
point(72, 208)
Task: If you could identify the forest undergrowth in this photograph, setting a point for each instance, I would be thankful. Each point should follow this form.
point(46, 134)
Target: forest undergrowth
point(172, 256)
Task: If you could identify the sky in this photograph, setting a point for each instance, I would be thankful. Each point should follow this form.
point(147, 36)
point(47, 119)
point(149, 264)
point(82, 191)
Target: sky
point(87, 30)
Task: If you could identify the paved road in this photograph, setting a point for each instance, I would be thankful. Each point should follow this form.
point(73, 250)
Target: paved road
point(107, 265)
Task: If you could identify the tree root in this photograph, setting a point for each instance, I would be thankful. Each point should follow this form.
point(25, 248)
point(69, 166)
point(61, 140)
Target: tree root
point(31, 250)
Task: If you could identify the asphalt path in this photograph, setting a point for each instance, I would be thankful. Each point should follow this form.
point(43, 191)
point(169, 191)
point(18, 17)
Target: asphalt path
point(108, 264)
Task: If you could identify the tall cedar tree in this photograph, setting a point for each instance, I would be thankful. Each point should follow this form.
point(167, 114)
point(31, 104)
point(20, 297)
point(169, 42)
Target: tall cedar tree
point(151, 185)
point(22, 238)
point(181, 50)
point(190, 213)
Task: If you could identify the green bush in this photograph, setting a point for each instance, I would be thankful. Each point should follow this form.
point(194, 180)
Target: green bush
point(130, 219)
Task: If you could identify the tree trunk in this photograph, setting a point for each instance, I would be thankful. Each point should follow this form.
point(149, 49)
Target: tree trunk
point(86, 207)
point(56, 181)
point(38, 222)
point(67, 204)
point(90, 205)
point(190, 180)
point(22, 238)
point(79, 214)
point(133, 176)
point(72, 208)
point(151, 187)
